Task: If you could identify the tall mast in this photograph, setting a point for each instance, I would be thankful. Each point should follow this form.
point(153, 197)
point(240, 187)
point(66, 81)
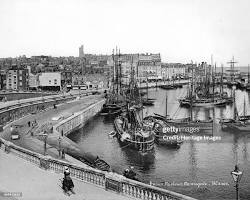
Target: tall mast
point(117, 75)
point(120, 69)
point(211, 77)
point(147, 82)
point(232, 71)
point(248, 75)
point(166, 105)
point(221, 81)
point(191, 100)
point(113, 78)
point(235, 108)
point(244, 107)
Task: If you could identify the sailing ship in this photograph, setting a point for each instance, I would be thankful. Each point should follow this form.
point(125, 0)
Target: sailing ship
point(132, 133)
point(184, 125)
point(147, 101)
point(115, 100)
point(118, 96)
point(237, 123)
point(202, 92)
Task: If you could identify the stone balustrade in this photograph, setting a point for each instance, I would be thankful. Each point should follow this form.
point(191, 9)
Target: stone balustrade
point(107, 180)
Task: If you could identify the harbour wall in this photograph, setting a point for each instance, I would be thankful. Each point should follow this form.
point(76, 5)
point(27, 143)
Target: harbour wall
point(79, 119)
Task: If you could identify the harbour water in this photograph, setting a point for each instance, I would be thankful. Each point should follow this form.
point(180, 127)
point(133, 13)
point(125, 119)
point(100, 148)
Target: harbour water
point(200, 169)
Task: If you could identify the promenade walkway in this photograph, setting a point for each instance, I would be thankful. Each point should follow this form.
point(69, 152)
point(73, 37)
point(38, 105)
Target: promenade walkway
point(17, 175)
point(42, 118)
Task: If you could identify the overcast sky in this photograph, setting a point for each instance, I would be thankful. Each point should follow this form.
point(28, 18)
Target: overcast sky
point(181, 30)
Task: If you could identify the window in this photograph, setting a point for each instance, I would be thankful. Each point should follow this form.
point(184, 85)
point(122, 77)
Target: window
point(49, 81)
point(55, 81)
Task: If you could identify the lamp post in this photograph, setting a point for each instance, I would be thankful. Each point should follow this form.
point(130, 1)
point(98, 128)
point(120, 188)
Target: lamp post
point(236, 174)
point(44, 135)
point(59, 145)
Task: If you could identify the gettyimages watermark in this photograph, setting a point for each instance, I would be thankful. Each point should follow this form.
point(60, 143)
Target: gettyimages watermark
point(174, 129)
point(197, 138)
point(189, 133)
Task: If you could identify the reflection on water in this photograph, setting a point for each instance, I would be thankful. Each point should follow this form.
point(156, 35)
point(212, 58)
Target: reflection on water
point(193, 162)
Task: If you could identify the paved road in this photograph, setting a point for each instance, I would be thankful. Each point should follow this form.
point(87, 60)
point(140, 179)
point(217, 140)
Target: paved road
point(72, 92)
point(18, 175)
point(32, 142)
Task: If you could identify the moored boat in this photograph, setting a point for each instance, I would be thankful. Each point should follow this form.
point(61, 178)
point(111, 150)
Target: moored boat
point(204, 102)
point(111, 110)
point(131, 133)
point(167, 87)
point(162, 135)
point(237, 123)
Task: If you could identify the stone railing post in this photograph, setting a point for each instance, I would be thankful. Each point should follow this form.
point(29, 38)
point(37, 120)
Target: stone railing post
point(113, 182)
point(7, 147)
point(44, 162)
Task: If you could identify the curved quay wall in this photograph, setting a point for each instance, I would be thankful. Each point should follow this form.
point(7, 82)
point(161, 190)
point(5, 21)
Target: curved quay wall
point(78, 119)
point(107, 180)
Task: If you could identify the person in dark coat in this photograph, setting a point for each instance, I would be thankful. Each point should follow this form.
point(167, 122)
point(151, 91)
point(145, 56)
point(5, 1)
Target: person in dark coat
point(67, 183)
point(129, 173)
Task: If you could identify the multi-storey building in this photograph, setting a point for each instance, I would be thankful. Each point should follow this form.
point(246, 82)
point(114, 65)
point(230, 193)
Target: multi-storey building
point(66, 76)
point(173, 70)
point(2, 79)
point(17, 78)
point(33, 81)
point(149, 67)
point(89, 81)
point(145, 66)
point(50, 81)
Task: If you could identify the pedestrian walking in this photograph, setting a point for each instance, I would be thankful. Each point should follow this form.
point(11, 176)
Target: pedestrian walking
point(63, 154)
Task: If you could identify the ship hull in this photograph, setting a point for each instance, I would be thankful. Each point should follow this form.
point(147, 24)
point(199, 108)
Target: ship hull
point(140, 144)
point(238, 127)
point(203, 103)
